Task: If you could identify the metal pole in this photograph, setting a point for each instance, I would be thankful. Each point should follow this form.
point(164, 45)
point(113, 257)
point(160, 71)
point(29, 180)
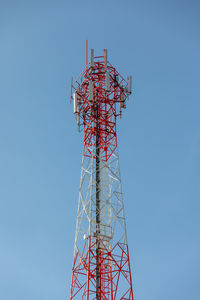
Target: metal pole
point(98, 271)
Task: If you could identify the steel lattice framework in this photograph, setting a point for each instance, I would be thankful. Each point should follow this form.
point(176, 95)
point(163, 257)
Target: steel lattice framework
point(101, 264)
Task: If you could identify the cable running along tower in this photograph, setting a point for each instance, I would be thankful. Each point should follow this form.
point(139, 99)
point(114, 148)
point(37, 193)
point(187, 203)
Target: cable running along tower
point(101, 265)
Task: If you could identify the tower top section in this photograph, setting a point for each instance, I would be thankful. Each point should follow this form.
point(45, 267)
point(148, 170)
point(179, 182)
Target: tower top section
point(99, 94)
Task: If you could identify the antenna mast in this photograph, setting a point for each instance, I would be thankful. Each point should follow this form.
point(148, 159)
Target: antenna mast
point(101, 264)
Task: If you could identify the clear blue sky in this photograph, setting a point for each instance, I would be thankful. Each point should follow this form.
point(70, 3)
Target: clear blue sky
point(42, 46)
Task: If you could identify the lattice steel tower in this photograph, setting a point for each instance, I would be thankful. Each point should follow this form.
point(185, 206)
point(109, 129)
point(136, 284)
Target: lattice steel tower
point(101, 265)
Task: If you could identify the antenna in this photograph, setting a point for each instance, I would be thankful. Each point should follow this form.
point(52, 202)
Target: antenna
point(86, 53)
point(92, 57)
point(105, 59)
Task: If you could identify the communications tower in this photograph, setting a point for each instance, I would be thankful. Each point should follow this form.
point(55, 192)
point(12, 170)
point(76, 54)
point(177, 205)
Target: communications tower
point(101, 264)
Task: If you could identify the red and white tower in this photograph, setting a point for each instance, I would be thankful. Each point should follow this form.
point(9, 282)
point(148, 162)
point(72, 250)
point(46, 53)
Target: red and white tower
point(101, 264)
